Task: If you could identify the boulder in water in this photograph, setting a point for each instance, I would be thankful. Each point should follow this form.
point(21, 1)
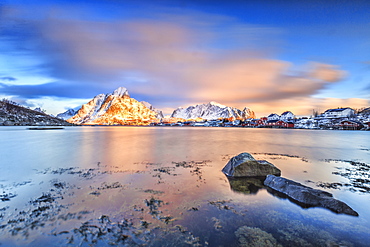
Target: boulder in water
point(308, 196)
point(244, 165)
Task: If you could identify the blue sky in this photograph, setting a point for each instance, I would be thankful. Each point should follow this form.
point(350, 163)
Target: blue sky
point(270, 56)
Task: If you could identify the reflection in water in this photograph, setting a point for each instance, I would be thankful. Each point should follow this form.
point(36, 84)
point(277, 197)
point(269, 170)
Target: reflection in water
point(246, 185)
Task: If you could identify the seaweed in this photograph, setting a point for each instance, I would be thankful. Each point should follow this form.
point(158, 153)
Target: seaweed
point(358, 175)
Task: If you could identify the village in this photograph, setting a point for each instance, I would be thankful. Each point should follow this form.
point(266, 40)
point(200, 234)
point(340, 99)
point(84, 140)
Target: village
point(332, 119)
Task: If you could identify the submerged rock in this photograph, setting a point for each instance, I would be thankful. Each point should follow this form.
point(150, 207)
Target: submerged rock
point(255, 237)
point(307, 195)
point(244, 165)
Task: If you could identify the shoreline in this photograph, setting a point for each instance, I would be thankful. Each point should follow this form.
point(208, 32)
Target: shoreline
point(52, 127)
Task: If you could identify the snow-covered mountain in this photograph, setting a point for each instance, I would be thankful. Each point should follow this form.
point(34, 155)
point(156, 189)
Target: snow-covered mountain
point(212, 110)
point(114, 109)
point(69, 113)
point(148, 105)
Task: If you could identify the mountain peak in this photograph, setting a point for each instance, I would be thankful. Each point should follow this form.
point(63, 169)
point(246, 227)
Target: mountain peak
point(217, 104)
point(121, 91)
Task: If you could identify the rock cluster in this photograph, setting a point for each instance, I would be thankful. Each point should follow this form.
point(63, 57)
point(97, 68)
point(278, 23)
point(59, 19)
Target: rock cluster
point(244, 166)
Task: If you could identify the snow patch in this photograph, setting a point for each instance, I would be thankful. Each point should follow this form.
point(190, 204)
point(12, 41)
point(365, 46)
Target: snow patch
point(121, 91)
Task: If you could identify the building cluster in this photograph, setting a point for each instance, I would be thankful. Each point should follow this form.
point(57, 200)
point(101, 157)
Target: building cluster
point(341, 118)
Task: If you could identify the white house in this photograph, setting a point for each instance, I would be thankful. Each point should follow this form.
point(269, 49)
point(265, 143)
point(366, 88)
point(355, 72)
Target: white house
point(339, 113)
point(273, 116)
point(287, 116)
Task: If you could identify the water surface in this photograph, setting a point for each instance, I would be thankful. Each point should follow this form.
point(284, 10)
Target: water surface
point(161, 186)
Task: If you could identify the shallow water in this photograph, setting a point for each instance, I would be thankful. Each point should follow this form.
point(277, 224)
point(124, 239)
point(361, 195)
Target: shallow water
point(163, 186)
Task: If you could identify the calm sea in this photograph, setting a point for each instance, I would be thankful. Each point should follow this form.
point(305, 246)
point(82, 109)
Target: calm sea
point(163, 186)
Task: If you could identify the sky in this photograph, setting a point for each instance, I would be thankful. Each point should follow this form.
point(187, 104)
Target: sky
point(269, 56)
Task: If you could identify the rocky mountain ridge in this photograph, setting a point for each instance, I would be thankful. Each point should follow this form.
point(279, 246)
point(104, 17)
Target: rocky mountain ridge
point(12, 114)
point(211, 111)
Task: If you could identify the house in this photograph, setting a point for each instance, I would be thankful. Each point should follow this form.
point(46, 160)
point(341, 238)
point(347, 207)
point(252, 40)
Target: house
point(289, 124)
point(339, 113)
point(251, 122)
point(279, 124)
point(261, 122)
point(287, 116)
point(272, 123)
point(272, 117)
point(350, 125)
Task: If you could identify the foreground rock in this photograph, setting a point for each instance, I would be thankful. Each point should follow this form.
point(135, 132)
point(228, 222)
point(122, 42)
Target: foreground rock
point(244, 165)
point(307, 195)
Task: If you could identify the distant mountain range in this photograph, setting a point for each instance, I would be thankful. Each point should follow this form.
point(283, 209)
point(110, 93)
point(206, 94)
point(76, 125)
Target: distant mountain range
point(212, 110)
point(13, 114)
point(117, 108)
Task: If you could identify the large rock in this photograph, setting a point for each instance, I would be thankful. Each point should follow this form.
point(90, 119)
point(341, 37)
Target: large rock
point(244, 165)
point(307, 195)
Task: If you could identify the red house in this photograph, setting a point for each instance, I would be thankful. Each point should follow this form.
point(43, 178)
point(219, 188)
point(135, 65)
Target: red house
point(279, 124)
point(350, 125)
point(261, 122)
point(289, 124)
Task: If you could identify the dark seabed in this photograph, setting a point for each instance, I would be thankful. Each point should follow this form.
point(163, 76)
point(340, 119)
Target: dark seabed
point(163, 186)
